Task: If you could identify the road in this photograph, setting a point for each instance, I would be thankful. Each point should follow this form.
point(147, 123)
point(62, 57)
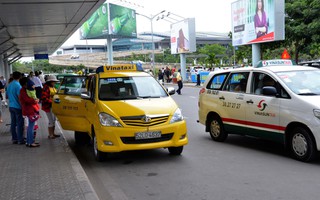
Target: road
point(241, 168)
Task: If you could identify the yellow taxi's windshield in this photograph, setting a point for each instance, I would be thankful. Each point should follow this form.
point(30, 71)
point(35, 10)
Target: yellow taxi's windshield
point(124, 88)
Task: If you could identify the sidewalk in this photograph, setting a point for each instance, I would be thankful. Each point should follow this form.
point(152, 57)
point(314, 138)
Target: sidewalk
point(50, 171)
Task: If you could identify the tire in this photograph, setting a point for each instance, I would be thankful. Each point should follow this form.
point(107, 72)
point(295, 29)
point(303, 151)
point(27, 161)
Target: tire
point(99, 155)
point(81, 138)
point(302, 145)
point(216, 129)
point(175, 150)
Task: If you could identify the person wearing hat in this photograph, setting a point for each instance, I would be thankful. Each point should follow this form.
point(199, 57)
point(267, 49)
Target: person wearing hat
point(48, 92)
point(30, 108)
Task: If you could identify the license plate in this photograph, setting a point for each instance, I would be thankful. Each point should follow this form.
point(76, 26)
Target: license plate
point(148, 135)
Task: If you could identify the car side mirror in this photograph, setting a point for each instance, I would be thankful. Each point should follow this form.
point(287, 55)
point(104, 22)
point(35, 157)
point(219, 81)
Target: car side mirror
point(171, 90)
point(269, 91)
point(85, 96)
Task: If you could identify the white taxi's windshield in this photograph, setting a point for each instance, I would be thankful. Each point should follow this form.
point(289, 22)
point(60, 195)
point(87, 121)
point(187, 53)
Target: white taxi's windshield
point(302, 82)
point(124, 88)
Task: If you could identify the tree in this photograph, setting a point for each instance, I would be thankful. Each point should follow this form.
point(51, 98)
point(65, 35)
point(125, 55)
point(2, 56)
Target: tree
point(303, 26)
point(214, 52)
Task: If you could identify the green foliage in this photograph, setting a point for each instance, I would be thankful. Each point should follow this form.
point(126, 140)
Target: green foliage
point(214, 52)
point(44, 66)
point(303, 26)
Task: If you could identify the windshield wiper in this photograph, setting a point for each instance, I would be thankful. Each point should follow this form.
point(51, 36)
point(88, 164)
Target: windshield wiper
point(308, 93)
point(145, 97)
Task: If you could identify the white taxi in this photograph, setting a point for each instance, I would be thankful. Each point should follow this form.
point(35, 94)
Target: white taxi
point(277, 101)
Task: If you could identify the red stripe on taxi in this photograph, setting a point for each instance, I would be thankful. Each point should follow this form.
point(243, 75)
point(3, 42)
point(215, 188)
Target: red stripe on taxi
point(261, 125)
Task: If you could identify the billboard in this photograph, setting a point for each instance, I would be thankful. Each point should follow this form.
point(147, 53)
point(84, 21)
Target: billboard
point(257, 21)
point(99, 25)
point(122, 21)
point(183, 36)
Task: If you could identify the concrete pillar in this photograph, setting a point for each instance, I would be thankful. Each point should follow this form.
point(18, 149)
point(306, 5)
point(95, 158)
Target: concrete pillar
point(109, 50)
point(256, 54)
point(183, 61)
point(7, 69)
point(1, 66)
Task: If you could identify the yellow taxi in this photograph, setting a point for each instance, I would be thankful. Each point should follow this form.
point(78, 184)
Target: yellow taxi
point(120, 108)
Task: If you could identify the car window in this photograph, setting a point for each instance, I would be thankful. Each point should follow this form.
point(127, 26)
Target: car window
point(216, 81)
point(237, 82)
point(73, 86)
point(305, 82)
point(260, 80)
point(123, 88)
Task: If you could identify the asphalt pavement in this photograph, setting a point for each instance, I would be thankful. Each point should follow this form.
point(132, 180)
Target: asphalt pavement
point(50, 171)
point(241, 168)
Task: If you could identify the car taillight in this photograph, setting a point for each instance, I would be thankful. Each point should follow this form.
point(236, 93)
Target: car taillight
point(202, 91)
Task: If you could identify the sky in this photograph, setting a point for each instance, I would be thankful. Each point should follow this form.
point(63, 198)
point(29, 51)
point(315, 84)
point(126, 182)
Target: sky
point(210, 15)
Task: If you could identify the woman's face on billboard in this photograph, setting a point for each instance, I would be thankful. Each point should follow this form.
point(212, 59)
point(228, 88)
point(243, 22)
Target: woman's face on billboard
point(259, 4)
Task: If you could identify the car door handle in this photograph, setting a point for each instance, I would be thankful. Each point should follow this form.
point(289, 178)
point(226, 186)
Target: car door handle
point(250, 101)
point(57, 100)
point(222, 98)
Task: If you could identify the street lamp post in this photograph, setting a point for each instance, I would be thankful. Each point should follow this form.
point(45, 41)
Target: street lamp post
point(152, 42)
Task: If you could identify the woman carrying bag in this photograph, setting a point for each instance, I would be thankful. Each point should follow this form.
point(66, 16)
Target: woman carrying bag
point(48, 92)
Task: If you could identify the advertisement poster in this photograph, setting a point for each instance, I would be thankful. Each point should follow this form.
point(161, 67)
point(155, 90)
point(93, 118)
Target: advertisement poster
point(257, 21)
point(122, 21)
point(98, 26)
point(183, 38)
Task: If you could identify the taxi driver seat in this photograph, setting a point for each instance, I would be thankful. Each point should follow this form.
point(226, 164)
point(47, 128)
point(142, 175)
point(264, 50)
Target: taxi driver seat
point(106, 91)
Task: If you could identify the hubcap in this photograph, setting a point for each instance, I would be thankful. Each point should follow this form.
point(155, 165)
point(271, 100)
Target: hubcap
point(299, 144)
point(215, 128)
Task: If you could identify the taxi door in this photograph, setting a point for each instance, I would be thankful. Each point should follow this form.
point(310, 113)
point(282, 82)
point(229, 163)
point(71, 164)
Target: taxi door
point(233, 103)
point(262, 113)
point(68, 106)
point(91, 106)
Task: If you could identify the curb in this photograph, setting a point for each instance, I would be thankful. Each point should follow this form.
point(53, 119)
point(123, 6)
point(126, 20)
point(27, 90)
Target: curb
point(86, 187)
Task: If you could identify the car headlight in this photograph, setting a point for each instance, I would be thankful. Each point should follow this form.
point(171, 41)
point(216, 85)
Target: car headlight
point(316, 113)
point(108, 120)
point(177, 116)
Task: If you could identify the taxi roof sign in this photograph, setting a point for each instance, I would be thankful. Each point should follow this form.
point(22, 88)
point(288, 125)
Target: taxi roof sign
point(283, 62)
point(119, 68)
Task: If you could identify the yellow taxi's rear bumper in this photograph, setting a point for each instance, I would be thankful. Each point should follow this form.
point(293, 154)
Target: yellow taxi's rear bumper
point(117, 139)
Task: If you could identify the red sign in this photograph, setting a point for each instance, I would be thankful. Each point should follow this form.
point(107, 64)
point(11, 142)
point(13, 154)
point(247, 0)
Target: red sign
point(285, 54)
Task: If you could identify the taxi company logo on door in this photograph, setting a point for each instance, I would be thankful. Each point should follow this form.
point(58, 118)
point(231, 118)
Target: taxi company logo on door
point(262, 105)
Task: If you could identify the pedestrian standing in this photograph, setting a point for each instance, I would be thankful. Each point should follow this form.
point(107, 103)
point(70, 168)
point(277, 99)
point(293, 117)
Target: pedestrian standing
point(160, 76)
point(38, 84)
point(41, 76)
point(48, 92)
point(198, 78)
point(13, 92)
point(168, 74)
point(30, 108)
point(179, 81)
point(1, 95)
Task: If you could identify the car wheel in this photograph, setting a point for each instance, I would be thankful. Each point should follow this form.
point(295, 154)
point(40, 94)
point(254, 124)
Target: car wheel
point(81, 138)
point(175, 150)
point(217, 132)
point(302, 145)
point(99, 155)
